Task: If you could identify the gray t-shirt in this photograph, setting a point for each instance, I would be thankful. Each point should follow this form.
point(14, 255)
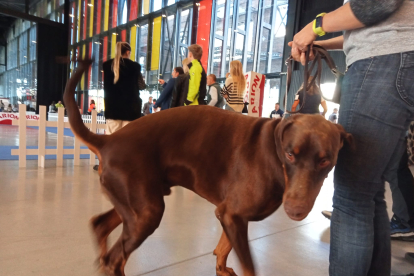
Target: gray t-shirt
point(393, 35)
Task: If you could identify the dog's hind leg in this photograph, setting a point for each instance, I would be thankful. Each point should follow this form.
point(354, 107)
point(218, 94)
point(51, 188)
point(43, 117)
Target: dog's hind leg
point(235, 228)
point(222, 251)
point(102, 225)
point(141, 207)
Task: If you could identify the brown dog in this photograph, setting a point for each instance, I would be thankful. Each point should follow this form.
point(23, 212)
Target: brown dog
point(245, 166)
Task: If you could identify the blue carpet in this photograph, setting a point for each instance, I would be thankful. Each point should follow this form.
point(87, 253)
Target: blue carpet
point(5, 153)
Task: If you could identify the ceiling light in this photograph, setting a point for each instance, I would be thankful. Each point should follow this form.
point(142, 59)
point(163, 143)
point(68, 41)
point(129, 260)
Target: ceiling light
point(71, 15)
point(90, 5)
point(164, 15)
point(34, 41)
point(114, 33)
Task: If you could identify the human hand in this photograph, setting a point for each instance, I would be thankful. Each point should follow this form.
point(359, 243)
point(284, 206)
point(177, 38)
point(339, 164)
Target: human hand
point(161, 81)
point(227, 75)
point(301, 43)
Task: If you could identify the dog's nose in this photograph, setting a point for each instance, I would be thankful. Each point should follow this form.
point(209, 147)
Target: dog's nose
point(297, 212)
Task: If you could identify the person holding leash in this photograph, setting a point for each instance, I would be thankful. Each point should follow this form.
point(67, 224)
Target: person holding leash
point(378, 42)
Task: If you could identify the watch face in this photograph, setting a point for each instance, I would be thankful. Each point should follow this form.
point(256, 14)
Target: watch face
point(319, 22)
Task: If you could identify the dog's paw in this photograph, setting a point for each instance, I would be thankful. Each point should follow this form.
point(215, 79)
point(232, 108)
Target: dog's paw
point(226, 272)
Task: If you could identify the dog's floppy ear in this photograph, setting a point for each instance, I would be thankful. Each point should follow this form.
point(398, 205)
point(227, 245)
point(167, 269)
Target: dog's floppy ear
point(281, 127)
point(345, 137)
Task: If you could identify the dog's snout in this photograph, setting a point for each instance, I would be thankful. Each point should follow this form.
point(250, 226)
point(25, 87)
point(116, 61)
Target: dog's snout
point(295, 212)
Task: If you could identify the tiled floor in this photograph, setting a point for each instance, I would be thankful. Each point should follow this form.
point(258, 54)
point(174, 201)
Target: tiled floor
point(44, 231)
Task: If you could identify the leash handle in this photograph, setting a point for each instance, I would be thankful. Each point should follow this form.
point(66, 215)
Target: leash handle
point(320, 54)
point(306, 84)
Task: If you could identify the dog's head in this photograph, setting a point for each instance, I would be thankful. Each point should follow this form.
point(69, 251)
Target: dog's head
point(308, 147)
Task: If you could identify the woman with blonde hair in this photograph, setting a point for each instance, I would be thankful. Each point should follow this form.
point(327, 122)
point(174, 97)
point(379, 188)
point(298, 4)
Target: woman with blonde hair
point(234, 87)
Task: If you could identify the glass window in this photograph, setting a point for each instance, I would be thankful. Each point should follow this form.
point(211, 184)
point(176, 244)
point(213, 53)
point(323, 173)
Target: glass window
point(242, 14)
point(185, 27)
point(143, 49)
point(271, 96)
point(217, 60)
point(167, 47)
point(264, 51)
point(124, 13)
point(267, 8)
point(170, 2)
point(184, 36)
point(230, 32)
point(239, 47)
point(279, 38)
point(157, 4)
point(220, 13)
point(252, 35)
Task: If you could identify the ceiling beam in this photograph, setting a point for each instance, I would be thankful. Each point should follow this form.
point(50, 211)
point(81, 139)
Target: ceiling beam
point(29, 17)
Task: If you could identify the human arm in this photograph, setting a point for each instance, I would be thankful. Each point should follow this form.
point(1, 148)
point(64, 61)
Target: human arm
point(214, 96)
point(166, 92)
point(336, 43)
point(353, 15)
point(325, 107)
point(295, 104)
point(228, 86)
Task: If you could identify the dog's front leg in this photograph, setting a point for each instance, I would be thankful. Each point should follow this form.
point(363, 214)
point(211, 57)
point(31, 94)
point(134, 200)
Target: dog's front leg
point(235, 228)
point(222, 251)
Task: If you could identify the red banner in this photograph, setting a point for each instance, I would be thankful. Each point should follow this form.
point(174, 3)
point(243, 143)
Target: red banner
point(6, 117)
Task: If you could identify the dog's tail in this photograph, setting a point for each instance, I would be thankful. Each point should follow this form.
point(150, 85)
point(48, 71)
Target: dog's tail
point(93, 141)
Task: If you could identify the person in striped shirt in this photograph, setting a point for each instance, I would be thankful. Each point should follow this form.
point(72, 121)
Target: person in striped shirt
point(234, 87)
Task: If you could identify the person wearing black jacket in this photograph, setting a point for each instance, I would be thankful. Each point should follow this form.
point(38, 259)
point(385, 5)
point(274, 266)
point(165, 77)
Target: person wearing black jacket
point(181, 87)
point(164, 100)
point(122, 82)
point(121, 91)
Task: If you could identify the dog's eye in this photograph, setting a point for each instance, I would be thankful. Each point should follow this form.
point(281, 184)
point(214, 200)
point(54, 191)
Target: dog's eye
point(324, 162)
point(290, 156)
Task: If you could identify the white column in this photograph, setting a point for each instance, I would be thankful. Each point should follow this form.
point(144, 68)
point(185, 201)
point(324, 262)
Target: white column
point(60, 129)
point(42, 137)
point(92, 157)
point(22, 135)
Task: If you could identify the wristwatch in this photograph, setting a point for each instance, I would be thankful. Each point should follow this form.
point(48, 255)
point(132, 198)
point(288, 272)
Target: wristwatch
point(317, 25)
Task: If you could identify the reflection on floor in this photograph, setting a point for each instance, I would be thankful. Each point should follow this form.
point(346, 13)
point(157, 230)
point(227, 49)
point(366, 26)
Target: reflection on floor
point(44, 216)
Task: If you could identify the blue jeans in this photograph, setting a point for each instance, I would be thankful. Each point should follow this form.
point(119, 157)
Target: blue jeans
point(377, 105)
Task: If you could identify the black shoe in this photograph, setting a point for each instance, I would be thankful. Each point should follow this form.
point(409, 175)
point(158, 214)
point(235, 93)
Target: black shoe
point(96, 167)
point(400, 230)
point(409, 256)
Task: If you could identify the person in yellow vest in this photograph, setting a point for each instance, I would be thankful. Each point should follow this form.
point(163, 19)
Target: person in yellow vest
point(198, 79)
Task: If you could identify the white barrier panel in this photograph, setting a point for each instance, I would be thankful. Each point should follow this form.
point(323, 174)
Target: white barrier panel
point(6, 118)
point(96, 124)
point(255, 83)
